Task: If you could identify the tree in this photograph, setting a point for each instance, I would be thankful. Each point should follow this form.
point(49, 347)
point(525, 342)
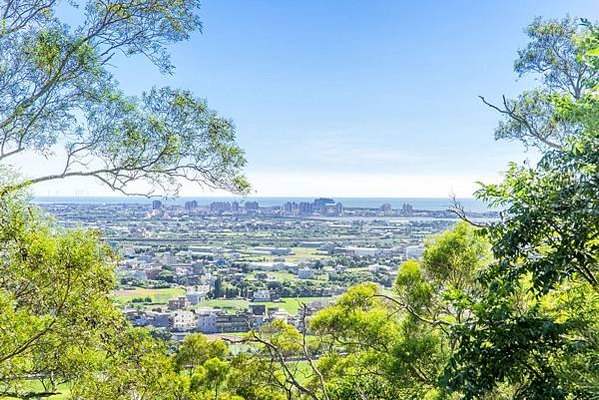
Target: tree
point(58, 324)
point(534, 324)
point(217, 291)
point(196, 350)
point(56, 89)
point(554, 55)
point(285, 348)
point(131, 365)
point(55, 308)
point(374, 345)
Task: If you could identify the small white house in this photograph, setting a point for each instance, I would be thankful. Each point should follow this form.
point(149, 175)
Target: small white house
point(261, 295)
point(195, 297)
point(207, 320)
point(184, 320)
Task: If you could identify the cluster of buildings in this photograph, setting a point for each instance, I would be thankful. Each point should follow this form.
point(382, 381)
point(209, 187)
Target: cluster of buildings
point(233, 207)
point(323, 207)
point(210, 320)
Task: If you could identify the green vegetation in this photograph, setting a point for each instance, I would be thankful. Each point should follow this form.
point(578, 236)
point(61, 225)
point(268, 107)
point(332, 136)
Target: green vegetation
point(299, 254)
point(291, 305)
point(157, 296)
point(303, 253)
point(36, 387)
point(534, 324)
point(280, 275)
point(60, 89)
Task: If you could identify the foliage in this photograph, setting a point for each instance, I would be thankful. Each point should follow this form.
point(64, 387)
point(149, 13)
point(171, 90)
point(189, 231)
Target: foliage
point(58, 324)
point(373, 345)
point(56, 89)
point(54, 300)
point(534, 324)
point(196, 350)
point(555, 57)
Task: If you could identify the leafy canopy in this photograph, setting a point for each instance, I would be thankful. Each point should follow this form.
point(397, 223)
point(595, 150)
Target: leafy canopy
point(58, 98)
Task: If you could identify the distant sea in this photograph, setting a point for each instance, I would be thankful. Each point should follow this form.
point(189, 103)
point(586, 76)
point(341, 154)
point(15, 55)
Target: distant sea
point(434, 204)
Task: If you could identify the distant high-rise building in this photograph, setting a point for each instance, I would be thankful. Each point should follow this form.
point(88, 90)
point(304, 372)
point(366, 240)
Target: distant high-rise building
point(251, 206)
point(291, 207)
point(156, 205)
point(407, 209)
point(321, 203)
point(332, 209)
point(306, 208)
point(234, 206)
point(190, 205)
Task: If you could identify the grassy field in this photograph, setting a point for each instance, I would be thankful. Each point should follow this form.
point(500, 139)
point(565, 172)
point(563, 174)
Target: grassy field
point(280, 275)
point(161, 296)
point(225, 304)
point(291, 305)
point(38, 387)
point(300, 254)
point(301, 368)
point(303, 253)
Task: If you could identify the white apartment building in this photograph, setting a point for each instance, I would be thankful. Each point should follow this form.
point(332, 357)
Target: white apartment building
point(184, 320)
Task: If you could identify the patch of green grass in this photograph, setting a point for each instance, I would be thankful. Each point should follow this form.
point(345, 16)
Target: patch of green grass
point(38, 387)
point(300, 254)
point(160, 296)
point(291, 304)
point(304, 253)
point(225, 304)
point(280, 275)
point(302, 371)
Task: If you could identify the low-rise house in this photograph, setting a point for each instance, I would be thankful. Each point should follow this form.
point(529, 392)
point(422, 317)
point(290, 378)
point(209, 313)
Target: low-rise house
point(137, 318)
point(379, 268)
point(262, 295)
point(140, 275)
point(240, 322)
point(195, 298)
point(257, 309)
point(359, 251)
point(206, 320)
point(179, 303)
point(183, 320)
point(160, 320)
point(280, 315)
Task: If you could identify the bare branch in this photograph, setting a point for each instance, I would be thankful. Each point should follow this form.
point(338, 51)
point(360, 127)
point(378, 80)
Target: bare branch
point(458, 209)
point(511, 113)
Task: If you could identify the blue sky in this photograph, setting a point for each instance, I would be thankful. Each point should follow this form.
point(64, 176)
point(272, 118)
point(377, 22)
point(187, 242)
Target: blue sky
point(356, 98)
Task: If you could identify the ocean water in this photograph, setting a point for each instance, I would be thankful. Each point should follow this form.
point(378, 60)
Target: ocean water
point(434, 204)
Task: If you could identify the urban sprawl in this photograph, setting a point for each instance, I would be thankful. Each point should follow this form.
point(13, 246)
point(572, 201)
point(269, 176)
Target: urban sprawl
point(227, 267)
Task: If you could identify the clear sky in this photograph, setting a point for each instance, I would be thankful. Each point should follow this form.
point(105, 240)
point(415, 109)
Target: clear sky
point(355, 98)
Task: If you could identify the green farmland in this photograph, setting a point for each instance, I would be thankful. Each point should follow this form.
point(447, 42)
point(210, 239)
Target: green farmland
point(158, 296)
point(291, 305)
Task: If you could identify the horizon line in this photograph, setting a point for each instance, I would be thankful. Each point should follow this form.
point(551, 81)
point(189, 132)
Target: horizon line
point(251, 196)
